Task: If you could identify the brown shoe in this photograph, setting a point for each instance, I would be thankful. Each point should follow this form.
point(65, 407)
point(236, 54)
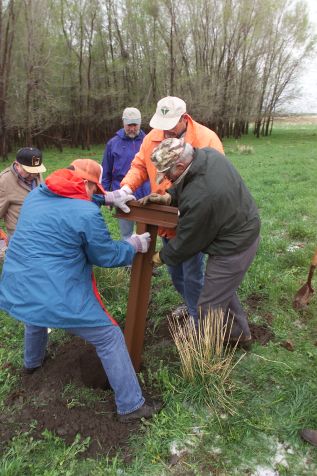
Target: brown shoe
point(146, 411)
point(31, 370)
point(310, 436)
point(180, 312)
point(244, 341)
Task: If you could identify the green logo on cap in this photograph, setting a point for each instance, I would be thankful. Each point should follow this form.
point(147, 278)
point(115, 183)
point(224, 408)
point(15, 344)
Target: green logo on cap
point(164, 110)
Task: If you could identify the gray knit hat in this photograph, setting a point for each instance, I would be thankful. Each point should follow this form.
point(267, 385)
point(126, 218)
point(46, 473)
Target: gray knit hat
point(167, 153)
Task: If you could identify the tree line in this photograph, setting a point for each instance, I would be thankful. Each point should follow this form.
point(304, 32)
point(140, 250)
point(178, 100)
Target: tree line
point(69, 67)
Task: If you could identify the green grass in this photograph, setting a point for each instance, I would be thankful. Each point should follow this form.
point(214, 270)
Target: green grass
point(275, 389)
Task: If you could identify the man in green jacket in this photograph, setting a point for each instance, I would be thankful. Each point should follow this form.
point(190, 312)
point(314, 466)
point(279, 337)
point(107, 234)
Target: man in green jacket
point(217, 215)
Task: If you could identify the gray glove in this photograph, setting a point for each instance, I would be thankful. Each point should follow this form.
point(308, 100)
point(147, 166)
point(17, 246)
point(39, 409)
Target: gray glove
point(118, 198)
point(156, 198)
point(140, 243)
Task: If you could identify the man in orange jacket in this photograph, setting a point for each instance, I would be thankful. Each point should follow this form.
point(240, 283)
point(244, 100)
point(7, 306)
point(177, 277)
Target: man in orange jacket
point(171, 120)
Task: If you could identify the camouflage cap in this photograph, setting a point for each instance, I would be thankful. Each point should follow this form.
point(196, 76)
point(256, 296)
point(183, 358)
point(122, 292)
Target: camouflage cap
point(167, 153)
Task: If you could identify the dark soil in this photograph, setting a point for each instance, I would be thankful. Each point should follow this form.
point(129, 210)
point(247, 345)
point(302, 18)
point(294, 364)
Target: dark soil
point(43, 396)
point(261, 334)
point(254, 300)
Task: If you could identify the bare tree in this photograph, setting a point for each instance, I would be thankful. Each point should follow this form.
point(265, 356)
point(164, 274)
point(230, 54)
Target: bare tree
point(7, 23)
point(77, 63)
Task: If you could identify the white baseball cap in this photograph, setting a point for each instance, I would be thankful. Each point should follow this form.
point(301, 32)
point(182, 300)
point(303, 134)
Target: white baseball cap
point(131, 115)
point(169, 110)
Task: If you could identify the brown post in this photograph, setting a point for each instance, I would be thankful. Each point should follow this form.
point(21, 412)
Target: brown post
point(148, 218)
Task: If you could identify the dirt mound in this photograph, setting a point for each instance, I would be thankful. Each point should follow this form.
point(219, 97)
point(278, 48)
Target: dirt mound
point(57, 398)
point(42, 397)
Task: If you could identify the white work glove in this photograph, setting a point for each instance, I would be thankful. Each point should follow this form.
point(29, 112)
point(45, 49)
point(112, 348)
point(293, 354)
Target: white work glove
point(140, 243)
point(118, 198)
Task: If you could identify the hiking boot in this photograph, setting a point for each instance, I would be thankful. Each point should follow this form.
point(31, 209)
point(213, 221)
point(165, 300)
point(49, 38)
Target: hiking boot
point(180, 312)
point(310, 436)
point(243, 339)
point(244, 342)
point(30, 371)
point(146, 411)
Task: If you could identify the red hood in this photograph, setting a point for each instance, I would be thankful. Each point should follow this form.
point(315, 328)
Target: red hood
point(65, 183)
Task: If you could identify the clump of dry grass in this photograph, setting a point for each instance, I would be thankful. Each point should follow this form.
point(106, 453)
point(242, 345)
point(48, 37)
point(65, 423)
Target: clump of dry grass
point(207, 360)
point(244, 149)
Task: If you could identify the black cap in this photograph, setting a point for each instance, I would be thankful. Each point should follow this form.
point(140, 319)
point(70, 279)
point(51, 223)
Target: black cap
point(31, 160)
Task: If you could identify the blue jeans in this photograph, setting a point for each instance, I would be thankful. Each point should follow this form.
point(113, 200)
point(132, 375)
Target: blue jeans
point(111, 349)
point(126, 228)
point(188, 280)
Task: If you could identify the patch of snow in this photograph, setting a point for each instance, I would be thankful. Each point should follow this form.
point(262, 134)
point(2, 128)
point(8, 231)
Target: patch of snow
point(215, 451)
point(197, 431)
point(295, 247)
point(178, 448)
point(299, 324)
point(264, 471)
point(280, 455)
point(279, 458)
point(175, 449)
point(190, 442)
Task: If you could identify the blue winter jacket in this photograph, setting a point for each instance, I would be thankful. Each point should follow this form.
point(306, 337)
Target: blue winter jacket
point(117, 158)
point(47, 274)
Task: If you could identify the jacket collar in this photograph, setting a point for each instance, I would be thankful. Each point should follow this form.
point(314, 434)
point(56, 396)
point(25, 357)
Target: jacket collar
point(121, 133)
point(21, 180)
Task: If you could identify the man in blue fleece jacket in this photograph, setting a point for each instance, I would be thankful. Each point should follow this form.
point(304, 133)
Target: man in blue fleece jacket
point(117, 158)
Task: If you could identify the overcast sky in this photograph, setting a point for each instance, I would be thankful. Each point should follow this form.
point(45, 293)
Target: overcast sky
point(307, 81)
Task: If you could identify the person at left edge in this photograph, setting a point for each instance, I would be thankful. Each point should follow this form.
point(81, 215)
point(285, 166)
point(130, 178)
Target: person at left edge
point(47, 279)
point(16, 181)
point(117, 158)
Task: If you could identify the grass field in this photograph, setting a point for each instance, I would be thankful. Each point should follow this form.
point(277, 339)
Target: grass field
point(275, 385)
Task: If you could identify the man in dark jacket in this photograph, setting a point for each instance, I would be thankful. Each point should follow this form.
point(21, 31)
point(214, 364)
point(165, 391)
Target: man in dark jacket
point(117, 158)
point(217, 215)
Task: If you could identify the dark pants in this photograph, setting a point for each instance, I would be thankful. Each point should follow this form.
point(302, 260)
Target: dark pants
point(223, 276)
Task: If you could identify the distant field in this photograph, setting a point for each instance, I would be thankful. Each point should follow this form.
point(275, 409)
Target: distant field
point(310, 119)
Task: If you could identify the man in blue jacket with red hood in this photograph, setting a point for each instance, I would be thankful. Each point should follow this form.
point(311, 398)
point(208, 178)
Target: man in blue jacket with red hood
point(47, 278)
point(117, 158)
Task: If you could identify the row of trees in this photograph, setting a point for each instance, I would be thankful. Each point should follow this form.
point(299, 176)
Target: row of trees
point(69, 67)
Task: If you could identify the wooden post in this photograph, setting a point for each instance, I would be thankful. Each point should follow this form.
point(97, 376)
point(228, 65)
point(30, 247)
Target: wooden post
point(148, 218)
